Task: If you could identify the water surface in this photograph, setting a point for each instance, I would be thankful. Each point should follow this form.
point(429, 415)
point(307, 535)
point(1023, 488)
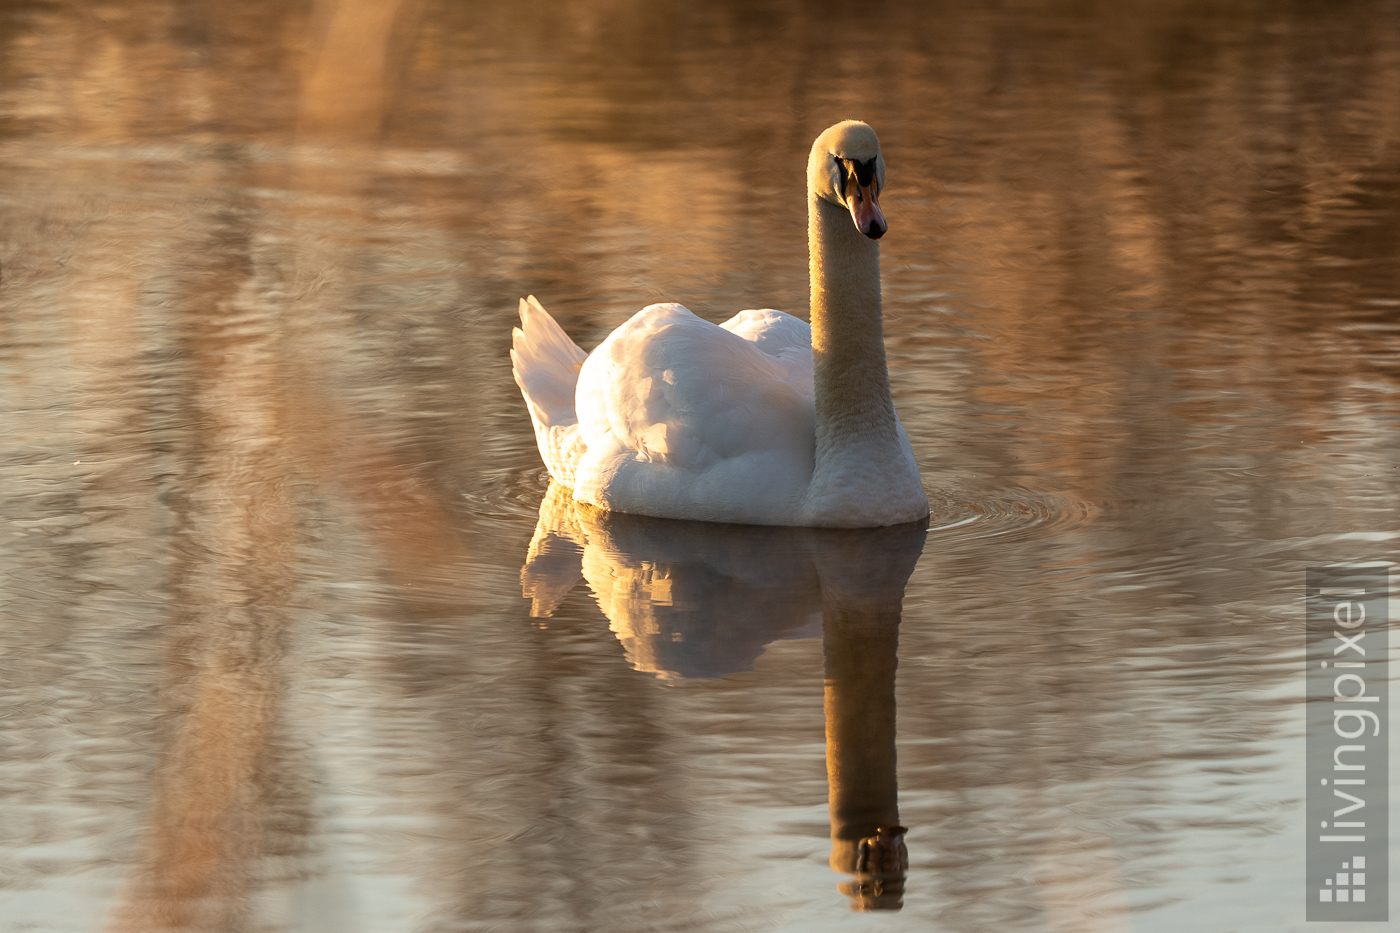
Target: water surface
point(269, 661)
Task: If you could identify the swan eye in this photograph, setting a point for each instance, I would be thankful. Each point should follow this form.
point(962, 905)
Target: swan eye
point(845, 172)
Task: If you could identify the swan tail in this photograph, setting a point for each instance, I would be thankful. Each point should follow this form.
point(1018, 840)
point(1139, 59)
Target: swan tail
point(546, 365)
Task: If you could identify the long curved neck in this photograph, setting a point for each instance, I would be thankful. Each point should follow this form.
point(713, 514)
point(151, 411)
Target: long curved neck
point(853, 403)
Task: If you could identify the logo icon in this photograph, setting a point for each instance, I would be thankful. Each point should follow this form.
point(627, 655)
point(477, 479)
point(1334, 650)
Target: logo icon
point(1348, 885)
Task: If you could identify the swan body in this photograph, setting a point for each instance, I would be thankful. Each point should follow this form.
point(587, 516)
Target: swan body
point(761, 420)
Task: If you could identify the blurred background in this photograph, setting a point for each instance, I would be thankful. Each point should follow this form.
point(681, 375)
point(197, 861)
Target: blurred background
point(267, 484)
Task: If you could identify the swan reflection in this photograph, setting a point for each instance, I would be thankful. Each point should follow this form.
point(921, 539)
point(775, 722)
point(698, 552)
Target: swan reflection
point(694, 599)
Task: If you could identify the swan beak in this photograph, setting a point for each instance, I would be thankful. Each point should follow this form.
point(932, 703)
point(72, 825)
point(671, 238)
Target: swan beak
point(864, 201)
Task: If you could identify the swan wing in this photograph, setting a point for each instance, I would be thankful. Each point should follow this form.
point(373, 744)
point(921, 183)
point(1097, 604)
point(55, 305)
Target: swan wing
point(686, 419)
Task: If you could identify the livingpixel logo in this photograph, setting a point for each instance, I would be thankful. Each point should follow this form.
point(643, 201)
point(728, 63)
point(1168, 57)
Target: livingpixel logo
point(1348, 747)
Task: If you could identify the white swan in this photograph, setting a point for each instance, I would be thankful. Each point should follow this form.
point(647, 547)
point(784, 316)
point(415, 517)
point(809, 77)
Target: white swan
point(761, 420)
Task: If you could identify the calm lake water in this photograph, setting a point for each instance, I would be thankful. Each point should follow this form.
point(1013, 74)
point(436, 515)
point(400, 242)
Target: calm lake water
point(282, 647)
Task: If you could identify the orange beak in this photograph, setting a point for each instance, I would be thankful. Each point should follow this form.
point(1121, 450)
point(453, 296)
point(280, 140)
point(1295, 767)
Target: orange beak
point(864, 202)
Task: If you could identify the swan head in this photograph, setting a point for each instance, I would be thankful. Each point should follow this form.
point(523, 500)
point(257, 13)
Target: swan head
point(846, 168)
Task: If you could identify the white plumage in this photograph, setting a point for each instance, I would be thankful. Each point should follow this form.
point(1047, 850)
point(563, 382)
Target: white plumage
point(675, 416)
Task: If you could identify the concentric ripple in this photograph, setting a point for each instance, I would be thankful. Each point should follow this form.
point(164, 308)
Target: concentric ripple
point(511, 500)
point(1016, 512)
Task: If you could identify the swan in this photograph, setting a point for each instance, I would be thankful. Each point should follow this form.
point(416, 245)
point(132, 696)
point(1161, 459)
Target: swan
point(761, 420)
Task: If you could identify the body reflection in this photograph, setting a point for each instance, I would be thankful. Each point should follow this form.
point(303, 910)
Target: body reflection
point(696, 599)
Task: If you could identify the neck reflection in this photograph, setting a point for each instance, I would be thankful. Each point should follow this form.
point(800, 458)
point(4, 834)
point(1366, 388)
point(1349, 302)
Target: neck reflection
point(863, 574)
point(699, 600)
